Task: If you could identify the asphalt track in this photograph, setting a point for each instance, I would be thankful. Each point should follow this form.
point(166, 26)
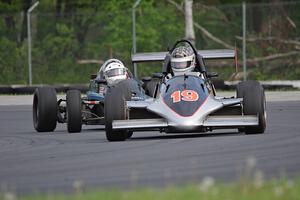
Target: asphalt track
point(31, 161)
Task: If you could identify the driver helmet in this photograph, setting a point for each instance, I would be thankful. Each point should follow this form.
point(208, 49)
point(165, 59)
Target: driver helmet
point(115, 71)
point(182, 60)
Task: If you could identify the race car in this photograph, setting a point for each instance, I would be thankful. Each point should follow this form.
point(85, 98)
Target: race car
point(184, 102)
point(74, 109)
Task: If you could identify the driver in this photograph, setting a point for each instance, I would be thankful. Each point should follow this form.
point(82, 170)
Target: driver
point(183, 60)
point(113, 71)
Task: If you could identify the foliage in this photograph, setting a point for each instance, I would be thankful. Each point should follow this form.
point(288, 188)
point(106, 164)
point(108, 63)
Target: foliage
point(65, 31)
point(12, 62)
point(285, 190)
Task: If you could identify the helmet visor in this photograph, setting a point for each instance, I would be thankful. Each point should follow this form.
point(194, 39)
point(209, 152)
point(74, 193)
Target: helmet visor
point(181, 65)
point(115, 72)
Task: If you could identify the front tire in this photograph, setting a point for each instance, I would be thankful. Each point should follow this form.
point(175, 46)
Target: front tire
point(74, 112)
point(114, 109)
point(44, 109)
point(254, 103)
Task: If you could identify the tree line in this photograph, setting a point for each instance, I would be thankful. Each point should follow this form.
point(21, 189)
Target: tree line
point(71, 38)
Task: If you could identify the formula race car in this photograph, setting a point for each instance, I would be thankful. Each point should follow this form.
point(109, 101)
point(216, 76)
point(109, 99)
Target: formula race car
point(74, 109)
point(182, 103)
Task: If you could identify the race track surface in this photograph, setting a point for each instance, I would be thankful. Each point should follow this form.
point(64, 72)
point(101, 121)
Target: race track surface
point(31, 161)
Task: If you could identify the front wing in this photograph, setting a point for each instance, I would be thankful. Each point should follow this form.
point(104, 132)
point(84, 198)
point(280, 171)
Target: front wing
point(225, 120)
point(229, 121)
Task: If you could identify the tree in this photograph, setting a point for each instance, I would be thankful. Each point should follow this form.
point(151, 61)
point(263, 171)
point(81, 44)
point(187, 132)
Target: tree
point(189, 25)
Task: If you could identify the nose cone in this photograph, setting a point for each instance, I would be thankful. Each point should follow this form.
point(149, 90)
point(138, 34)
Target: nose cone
point(185, 95)
point(184, 102)
point(185, 123)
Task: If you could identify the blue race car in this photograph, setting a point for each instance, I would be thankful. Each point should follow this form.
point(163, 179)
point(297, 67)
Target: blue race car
point(75, 109)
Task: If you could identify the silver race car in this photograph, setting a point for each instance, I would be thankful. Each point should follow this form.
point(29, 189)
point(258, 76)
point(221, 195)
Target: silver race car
point(182, 103)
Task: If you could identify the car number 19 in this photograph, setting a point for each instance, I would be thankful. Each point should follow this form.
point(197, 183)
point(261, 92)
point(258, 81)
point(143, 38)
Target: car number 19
point(185, 95)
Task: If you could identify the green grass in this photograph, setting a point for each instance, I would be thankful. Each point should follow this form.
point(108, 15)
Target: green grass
point(207, 190)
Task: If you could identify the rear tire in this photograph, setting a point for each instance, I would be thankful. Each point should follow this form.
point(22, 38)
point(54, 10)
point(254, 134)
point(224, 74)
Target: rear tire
point(254, 103)
point(44, 109)
point(114, 109)
point(74, 113)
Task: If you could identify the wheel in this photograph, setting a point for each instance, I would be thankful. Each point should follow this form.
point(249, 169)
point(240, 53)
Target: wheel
point(74, 113)
point(114, 109)
point(254, 103)
point(44, 109)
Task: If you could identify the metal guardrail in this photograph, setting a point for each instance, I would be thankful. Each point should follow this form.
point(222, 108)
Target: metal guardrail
point(24, 89)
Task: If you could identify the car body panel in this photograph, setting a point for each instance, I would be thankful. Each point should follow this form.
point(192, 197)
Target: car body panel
point(227, 121)
point(184, 89)
point(185, 116)
point(90, 95)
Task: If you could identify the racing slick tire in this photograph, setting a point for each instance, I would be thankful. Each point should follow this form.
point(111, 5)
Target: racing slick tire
point(254, 103)
point(44, 109)
point(73, 109)
point(114, 109)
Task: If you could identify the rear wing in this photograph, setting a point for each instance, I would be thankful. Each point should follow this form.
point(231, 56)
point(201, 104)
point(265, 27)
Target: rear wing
point(206, 54)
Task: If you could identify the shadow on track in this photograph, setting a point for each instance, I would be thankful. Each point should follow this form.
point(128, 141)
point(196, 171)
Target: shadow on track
point(137, 136)
point(184, 135)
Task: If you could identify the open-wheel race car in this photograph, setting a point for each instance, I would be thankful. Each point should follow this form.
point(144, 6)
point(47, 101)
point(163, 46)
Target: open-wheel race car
point(182, 102)
point(75, 109)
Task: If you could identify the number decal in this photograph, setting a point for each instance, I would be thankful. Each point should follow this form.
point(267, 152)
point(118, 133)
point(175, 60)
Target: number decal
point(176, 96)
point(185, 95)
point(189, 95)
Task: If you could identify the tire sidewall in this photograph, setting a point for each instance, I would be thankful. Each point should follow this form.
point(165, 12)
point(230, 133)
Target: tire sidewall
point(74, 111)
point(45, 109)
point(115, 108)
point(254, 103)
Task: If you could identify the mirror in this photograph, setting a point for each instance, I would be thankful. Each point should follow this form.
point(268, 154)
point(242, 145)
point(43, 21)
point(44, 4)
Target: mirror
point(212, 74)
point(146, 78)
point(157, 75)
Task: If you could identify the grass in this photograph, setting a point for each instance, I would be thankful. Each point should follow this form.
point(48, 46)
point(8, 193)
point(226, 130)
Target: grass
point(207, 190)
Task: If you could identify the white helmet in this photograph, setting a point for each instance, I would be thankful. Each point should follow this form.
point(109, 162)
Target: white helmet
point(182, 60)
point(114, 71)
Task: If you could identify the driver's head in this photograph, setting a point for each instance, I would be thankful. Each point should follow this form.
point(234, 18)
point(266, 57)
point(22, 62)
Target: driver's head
point(114, 72)
point(182, 60)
